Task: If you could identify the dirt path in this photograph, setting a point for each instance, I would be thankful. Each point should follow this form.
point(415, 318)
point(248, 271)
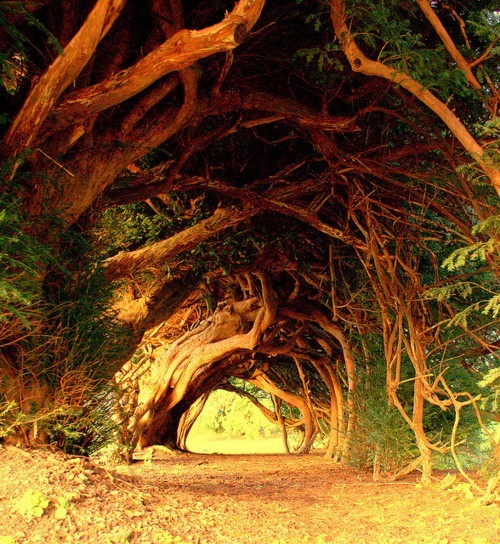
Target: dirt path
point(216, 499)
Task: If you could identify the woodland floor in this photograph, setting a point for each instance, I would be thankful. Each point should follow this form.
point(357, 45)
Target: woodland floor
point(221, 499)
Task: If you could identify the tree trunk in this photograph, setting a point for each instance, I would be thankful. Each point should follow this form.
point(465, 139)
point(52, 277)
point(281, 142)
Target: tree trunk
point(189, 419)
point(195, 357)
point(164, 430)
point(279, 417)
point(64, 70)
point(418, 428)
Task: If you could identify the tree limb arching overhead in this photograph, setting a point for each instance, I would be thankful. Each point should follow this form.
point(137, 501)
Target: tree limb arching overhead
point(360, 63)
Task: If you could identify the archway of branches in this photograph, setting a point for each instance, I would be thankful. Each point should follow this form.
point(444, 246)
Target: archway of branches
point(260, 200)
point(308, 318)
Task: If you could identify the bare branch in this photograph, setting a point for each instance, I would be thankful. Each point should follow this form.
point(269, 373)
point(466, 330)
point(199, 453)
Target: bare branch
point(59, 76)
point(183, 49)
point(360, 63)
point(452, 49)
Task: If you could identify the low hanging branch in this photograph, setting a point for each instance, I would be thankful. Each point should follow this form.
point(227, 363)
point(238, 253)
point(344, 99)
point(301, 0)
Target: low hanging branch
point(183, 49)
point(360, 63)
point(125, 263)
point(64, 70)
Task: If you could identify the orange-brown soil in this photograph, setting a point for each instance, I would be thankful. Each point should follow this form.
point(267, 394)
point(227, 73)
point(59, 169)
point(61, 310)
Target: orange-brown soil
point(240, 499)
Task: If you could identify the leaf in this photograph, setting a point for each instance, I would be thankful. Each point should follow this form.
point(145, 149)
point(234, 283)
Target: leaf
point(462, 256)
point(493, 306)
point(37, 511)
point(61, 512)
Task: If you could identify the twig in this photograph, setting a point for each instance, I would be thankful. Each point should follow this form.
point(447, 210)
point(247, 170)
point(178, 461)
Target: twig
point(56, 162)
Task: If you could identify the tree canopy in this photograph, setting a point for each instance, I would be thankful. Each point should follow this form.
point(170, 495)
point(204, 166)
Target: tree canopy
point(199, 193)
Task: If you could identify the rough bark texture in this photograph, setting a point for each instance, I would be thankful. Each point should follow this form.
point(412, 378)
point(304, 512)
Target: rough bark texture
point(125, 263)
point(65, 69)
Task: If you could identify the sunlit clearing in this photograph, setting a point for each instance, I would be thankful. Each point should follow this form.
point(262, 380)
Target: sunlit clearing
point(231, 424)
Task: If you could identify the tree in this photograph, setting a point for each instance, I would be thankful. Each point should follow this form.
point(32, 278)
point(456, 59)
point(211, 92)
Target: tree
point(359, 62)
point(250, 202)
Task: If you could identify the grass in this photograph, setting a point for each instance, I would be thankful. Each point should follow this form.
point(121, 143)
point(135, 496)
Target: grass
point(212, 443)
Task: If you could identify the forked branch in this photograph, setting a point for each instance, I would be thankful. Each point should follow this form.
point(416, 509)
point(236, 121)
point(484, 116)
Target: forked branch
point(360, 63)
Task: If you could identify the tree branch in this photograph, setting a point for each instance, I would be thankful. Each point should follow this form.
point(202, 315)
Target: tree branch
point(441, 31)
point(63, 71)
point(183, 49)
point(360, 63)
point(125, 263)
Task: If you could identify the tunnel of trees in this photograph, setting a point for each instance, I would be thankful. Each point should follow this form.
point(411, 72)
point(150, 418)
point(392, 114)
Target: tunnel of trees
point(299, 196)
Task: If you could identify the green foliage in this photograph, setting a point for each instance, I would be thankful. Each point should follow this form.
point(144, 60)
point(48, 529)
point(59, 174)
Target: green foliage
point(491, 391)
point(463, 256)
point(22, 259)
point(233, 416)
point(486, 25)
point(63, 505)
point(320, 60)
point(57, 336)
point(241, 248)
point(92, 331)
point(10, 11)
point(165, 537)
point(7, 420)
point(485, 284)
point(386, 23)
point(445, 80)
point(381, 435)
point(490, 133)
point(396, 33)
point(32, 504)
point(129, 226)
point(124, 227)
point(465, 290)
point(68, 428)
point(13, 16)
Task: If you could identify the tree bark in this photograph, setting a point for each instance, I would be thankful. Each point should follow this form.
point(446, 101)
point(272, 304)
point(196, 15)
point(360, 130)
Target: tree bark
point(333, 329)
point(188, 419)
point(64, 70)
point(360, 63)
point(125, 263)
point(180, 51)
point(193, 355)
point(279, 417)
point(452, 49)
point(260, 379)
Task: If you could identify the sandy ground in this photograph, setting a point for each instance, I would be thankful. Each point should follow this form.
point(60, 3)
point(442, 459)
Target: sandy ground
point(50, 498)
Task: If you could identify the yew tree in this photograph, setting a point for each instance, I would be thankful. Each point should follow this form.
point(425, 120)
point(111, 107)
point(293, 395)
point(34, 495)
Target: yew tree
point(259, 190)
